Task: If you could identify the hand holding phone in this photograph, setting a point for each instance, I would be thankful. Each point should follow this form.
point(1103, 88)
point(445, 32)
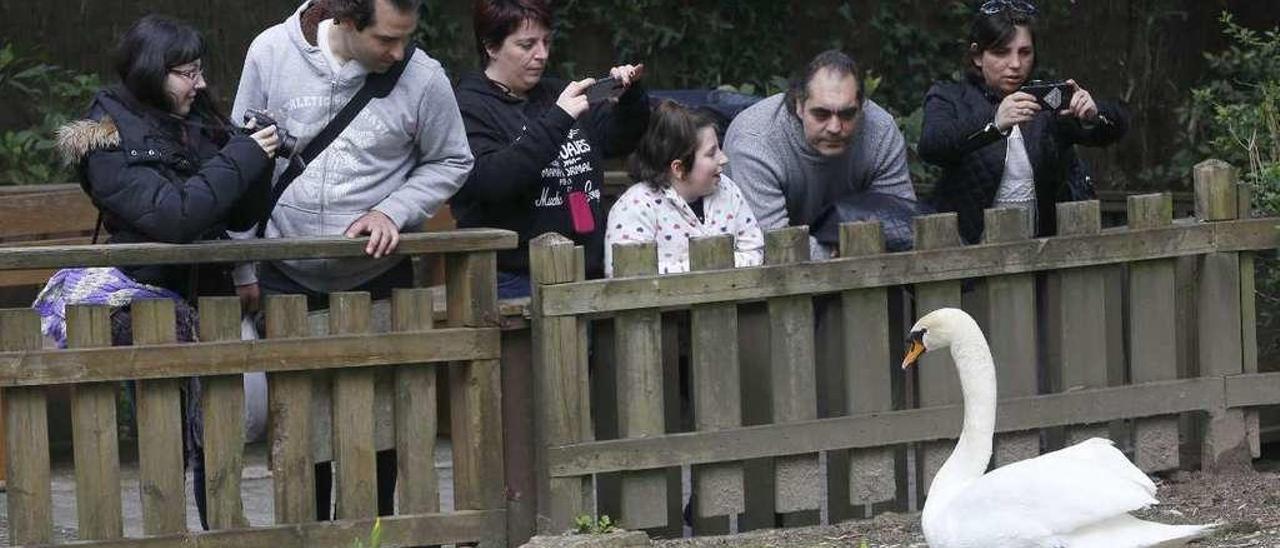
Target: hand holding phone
point(605, 89)
point(1051, 96)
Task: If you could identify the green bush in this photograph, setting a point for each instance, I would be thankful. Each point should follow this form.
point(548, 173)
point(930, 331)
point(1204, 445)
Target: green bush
point(55, 95)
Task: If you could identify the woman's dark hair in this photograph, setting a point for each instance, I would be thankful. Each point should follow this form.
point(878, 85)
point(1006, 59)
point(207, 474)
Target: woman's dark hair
point(989, 32)
point(495, 20)
point(149, 50)
point(361, 11)
point(833, 60)
point(672, 135)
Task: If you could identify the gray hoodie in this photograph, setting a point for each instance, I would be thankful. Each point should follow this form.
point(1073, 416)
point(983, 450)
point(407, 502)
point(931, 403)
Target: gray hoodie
point(404, 155)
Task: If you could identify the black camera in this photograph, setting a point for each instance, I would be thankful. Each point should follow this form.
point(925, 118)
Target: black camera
point(260, 119)
point(1052, 96)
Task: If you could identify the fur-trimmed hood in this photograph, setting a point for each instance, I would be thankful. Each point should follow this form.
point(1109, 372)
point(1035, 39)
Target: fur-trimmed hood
point(77, 139)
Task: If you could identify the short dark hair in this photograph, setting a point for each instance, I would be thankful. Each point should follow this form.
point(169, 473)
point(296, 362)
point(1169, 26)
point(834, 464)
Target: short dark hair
point(495, 20)
point(988, 32)
point(361, 11)
point(147, 51)
point(672, 135)
point(832, 60)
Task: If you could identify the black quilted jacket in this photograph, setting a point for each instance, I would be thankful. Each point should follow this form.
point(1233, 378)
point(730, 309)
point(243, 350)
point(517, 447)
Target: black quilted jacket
point(973, 160)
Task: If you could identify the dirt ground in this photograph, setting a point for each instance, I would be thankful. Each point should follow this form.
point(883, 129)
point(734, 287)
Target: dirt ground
point(1246, 503)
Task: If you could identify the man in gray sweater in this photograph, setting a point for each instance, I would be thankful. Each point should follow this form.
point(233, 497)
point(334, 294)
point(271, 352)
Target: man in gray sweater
point(794, 153)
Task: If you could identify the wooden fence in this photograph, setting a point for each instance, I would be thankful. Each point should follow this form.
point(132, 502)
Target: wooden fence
point(794, 408)
point(350, 357)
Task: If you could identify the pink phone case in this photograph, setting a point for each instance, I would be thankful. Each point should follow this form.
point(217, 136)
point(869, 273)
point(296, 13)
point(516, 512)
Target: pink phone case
point(580, 213)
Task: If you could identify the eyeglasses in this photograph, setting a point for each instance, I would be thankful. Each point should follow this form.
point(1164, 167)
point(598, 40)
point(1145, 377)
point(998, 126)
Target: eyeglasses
point(190, 74)
point(992, 7)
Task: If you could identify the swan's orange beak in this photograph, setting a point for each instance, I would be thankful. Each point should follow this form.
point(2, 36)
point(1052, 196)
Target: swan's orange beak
point(915, 347)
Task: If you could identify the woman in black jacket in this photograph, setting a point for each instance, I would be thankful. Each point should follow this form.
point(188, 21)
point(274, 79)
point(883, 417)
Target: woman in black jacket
point(162, 165)
point(539, 143)
point(996, 146)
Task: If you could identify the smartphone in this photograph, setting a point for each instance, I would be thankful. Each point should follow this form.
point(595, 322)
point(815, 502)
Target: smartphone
point(1052, 96)
point(605, 89)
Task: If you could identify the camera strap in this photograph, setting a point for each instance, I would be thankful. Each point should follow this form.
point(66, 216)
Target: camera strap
point(376, 85)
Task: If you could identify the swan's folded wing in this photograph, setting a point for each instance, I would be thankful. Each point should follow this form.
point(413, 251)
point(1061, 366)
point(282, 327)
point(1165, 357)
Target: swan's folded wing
point(1061, 491)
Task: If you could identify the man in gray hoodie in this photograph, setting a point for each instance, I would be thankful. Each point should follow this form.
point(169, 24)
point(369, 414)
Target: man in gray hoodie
point(793, 154)
point(388, 171)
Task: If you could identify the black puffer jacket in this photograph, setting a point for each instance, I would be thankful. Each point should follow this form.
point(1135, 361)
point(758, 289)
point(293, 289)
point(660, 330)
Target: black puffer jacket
point(973, 160)
point(157, 178)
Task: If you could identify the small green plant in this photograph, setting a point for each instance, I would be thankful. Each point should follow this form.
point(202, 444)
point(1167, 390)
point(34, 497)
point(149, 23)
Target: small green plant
point(375, 536)
point(52, 96)
point(588, 525)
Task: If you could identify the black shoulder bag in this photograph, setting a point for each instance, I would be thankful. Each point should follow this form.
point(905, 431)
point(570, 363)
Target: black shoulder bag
point(375, 85)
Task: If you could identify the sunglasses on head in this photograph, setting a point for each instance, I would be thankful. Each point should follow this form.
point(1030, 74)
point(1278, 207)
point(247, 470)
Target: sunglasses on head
point(992, 7)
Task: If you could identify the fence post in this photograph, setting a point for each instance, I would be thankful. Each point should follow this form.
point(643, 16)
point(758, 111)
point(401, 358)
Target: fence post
point(1081, 317)
point(561, 399)
point(416, 420)
point(937, 377)
point(222, 399)
point(868, 368)
point(1012, 314)
point(289, 399)
point(1153, 329)
point(93, 431)
point(354, 468)
point(159, 415)
point(1219, 317)
point(475, 389)
point(30, 510)
point(1249, 319)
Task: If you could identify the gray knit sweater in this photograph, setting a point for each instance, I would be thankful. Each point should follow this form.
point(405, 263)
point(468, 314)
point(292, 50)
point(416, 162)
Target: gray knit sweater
point(788, 183)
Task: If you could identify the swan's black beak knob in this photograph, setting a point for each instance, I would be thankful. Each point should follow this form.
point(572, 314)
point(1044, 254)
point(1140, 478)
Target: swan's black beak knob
point(915, 347)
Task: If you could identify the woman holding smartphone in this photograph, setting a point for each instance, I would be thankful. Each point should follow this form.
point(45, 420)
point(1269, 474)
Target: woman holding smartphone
point(999, 146)
point(539, 143)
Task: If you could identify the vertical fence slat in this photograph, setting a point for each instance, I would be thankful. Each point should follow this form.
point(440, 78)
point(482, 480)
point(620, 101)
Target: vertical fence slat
point(798, 480)
point(222, 403)
point(1219, 316)
point(559, 399)
point(1249, 319)
point(937, 377)
point(1082, 316)
point(93, 432)
point(416, 420)
point(30, 500)
point(1153, 350)
point(1011, 328)
point(355, 472)
point(475, 387)
point(716, 380)
point(289, 398)
point(640, 397)
point(161, 482)
point(868, 367)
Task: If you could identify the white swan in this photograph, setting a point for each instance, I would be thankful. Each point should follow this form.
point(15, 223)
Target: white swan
point(1076, 497)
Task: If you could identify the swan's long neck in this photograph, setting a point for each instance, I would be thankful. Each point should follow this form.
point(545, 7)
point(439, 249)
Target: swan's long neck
point(978, 382)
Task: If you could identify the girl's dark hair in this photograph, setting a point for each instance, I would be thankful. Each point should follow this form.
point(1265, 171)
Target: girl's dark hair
point(146, 53)
point(672, 135)
point(833, 60)
point(495, 20)
point(989, 32)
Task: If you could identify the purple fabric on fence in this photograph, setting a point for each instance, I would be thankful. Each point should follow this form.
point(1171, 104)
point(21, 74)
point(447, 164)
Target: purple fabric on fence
point(102, 286)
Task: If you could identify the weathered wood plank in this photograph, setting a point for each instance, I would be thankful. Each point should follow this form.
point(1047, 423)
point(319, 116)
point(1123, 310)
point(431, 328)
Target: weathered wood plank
point(1153, 333)
point(161, 482)
point(222, 401)
point(640, 398)
point(716, 381)
point(93, 433)
point(1058, 253)
point(1253, 390)
point(475, 387)
point(30, 501)
point(1082, 317)
point(289, 400)
point(1219, 317)
point(799, 482)
point(561, 405)
point(299, 354)
point(421, 243)
point(29, 214)
point(891, 428)
point(936, 373)
point(485, 527)
point(416, 417)
point(1249, 318)
point(355, 472)
point(1011, 329)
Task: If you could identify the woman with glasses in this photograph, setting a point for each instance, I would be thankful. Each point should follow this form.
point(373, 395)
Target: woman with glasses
point(162, 164)
point(996, 144)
